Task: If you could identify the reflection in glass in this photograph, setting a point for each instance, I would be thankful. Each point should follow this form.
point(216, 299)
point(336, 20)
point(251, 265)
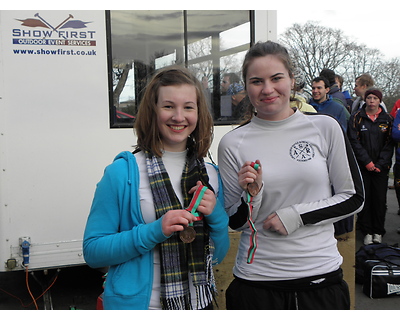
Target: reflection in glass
point(235, 37)
point(141, 42)
point(210, 43)
point(199, 48)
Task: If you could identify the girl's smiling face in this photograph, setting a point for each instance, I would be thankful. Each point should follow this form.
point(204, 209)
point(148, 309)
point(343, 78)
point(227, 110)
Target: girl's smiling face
point(269, 86)
point(177, 115)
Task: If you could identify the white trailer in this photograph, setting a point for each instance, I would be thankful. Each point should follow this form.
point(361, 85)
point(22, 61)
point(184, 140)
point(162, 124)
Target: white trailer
point(55, 135)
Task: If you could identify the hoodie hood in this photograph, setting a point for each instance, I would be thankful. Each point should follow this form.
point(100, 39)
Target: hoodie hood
point(131, 161)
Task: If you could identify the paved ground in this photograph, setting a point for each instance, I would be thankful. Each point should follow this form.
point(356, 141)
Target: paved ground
point(79, 287)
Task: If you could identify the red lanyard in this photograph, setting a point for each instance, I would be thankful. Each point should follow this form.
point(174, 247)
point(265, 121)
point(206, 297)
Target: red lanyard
point(195, 202)
point(253, 236)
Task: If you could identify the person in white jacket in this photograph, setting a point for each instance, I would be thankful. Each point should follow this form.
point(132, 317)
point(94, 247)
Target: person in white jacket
point(288, 177)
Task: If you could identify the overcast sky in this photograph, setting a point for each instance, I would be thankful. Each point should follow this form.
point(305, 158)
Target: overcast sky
point(374, 26)
point(375, 23)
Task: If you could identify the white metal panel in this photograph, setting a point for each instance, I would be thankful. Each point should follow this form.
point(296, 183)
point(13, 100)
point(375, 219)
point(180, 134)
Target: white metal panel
point(265, 25)
point(55, 138)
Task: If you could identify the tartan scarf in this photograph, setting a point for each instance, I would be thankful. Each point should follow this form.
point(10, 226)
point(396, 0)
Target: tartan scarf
point(179, 259)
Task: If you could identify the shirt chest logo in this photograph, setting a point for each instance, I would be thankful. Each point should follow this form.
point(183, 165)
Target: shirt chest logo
point(383, 127)
point(302, 151)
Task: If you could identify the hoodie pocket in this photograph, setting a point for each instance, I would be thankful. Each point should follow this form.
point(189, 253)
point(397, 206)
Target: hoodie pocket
point(127, 279)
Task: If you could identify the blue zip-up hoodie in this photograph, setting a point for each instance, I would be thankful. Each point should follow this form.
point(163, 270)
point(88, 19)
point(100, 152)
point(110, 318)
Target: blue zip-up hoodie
point(396, 135)
point(117, 236)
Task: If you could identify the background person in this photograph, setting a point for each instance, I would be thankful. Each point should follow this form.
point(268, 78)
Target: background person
point(370, 135)
point(340, 81)
point(334, 89)
point(323, 102)
point(299, 98)
point(228, 80)
point(363, 83)
point(240, 101)
point(396, 167)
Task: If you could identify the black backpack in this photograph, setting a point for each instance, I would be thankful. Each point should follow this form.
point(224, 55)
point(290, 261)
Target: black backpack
point(380, 251)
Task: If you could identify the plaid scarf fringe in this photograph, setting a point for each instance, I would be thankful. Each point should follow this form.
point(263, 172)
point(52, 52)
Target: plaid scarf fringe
point(177, 258)
point(177, 303)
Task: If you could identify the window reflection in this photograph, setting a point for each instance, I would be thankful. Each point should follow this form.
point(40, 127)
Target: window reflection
point(210, 43)
point(235, 37)
point(199, 48)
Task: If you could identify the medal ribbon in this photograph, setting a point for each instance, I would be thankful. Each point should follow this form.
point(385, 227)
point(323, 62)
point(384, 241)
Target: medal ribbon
point(195, 202)
point(253, 236)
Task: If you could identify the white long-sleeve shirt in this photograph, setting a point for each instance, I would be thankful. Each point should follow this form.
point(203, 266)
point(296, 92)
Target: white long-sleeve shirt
point(302, 158)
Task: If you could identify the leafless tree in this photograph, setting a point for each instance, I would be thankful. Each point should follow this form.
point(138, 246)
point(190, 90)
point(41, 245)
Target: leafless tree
point(360, 60)
point(120, 75)
point(388, 80)
point(314, 47)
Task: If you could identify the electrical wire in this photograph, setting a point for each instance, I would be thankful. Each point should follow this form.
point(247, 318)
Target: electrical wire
point(30, 293)
point(48, 288)
point(29, 289)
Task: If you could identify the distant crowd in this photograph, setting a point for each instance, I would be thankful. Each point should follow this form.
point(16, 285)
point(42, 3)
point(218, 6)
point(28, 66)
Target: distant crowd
point(371, 129)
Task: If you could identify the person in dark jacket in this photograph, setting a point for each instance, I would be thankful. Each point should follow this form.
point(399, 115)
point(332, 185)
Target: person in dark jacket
point(324, 103)
point(370, 134)
point(334, 90)
point(396, 167)
point(339, 81)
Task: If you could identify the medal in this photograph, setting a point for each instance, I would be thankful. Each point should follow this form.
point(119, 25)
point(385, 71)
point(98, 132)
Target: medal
point(253, 188)
point(187, 235)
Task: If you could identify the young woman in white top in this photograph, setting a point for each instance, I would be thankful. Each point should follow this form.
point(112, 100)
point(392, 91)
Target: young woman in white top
point(287, 178)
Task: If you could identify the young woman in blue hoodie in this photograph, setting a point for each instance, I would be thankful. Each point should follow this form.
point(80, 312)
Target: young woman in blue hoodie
point(157, 218)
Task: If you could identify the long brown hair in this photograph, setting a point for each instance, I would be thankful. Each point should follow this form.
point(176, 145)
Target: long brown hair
point(148, 135)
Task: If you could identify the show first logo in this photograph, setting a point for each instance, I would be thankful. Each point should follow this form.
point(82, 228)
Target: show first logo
point(65, 33)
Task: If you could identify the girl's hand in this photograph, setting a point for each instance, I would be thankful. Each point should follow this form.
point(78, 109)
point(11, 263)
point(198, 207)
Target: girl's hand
point(248, 175)
point(274, 224)
point(208, 202)
point(175, 220)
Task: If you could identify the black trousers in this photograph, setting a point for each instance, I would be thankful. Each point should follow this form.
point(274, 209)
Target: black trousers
point(323, 292)
point(371, 219)
point(396, 172)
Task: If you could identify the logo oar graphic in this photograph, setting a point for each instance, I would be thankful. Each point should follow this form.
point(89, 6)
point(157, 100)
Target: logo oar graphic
point(48, 24)
point(62, 23)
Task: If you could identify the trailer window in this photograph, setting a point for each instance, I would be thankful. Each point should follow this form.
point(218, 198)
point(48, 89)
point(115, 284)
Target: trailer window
point(210, 43)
